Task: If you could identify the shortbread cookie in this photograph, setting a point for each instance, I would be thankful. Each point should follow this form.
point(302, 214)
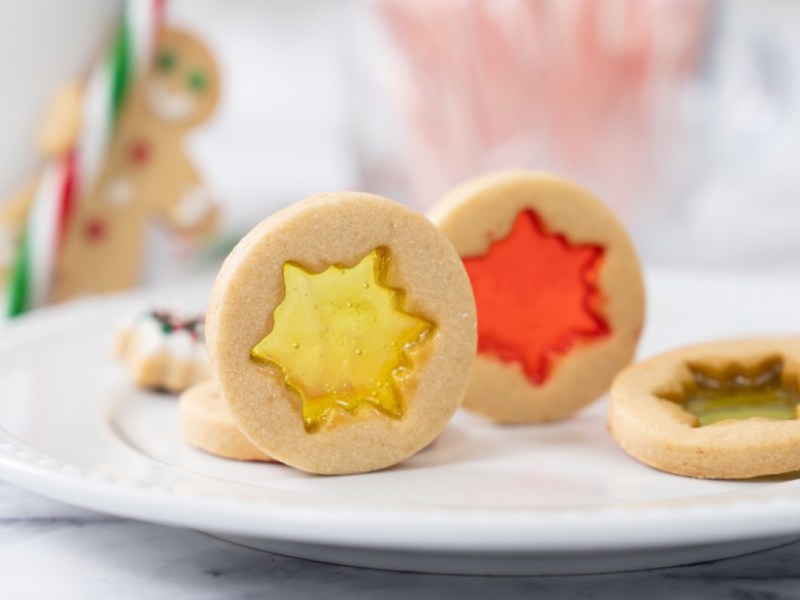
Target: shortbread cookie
point(716, 411)
point(341, 333)
point(558, 289)
point(207, 424)
point(163, 349)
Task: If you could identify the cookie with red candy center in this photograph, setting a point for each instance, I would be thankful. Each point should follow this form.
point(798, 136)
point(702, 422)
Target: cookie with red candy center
point(558, 289)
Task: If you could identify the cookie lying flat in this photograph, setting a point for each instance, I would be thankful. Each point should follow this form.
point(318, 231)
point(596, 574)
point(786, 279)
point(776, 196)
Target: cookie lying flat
point(163, 349)
point(341, 333)
point(558, 289)
point(207, 424)
point(716, 411)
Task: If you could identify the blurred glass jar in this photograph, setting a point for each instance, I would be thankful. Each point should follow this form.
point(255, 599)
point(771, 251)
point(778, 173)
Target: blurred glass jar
point(742, 209)
point(601, 91)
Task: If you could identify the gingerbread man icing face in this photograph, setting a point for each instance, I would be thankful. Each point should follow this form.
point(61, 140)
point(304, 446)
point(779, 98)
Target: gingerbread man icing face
point(182, 87)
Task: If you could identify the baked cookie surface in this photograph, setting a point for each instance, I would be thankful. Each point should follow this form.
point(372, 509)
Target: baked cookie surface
point(558, 288)
point(716, 411)
point(207, 424)
point(341, 333)
point(163, 349)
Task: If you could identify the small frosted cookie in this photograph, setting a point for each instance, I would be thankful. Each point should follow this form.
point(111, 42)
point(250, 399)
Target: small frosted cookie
point(207, 424)
point(558, 289)
point(716, 411)
point(341, 332)
point(163, 349)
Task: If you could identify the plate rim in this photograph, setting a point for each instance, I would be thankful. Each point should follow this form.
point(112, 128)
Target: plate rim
point(761, 512)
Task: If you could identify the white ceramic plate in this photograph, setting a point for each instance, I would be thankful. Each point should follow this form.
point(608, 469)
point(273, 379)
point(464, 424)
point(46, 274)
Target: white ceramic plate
point(483, 499)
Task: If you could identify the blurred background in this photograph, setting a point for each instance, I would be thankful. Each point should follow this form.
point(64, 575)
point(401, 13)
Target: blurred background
point(683, 115)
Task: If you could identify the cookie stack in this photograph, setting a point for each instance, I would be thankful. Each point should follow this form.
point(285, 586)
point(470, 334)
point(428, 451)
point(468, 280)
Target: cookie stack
point(344, 331)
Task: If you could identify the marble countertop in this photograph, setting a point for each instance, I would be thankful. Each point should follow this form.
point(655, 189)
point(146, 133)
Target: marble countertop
point(47, 548)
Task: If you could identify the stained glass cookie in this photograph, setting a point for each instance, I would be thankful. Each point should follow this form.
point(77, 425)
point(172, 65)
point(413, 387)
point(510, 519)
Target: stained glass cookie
point(207, 424)
point(715, 411)
point(558, 289)
point(341, 333)
point(163, 349)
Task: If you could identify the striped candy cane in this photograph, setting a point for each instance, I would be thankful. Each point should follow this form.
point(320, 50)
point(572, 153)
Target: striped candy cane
point(64, 177)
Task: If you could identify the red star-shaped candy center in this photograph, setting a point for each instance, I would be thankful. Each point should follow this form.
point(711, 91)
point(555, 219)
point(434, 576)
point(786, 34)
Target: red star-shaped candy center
point(537, 296)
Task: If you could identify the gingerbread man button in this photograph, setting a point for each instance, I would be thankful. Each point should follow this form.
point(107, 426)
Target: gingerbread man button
point(341, 333)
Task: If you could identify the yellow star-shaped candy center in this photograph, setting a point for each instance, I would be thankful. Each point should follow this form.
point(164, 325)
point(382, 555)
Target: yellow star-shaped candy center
point(341, 339)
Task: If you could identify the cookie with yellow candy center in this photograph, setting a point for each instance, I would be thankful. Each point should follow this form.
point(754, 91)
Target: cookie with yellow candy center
point(341, 333)
point(558, 288)
point(714, 411)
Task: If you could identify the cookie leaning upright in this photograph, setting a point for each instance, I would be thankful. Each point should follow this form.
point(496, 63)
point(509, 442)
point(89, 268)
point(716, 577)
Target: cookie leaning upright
point(558, 288)
point(341, 333)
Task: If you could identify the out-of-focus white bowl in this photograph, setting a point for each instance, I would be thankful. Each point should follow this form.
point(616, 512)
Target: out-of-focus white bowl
point(43, 43)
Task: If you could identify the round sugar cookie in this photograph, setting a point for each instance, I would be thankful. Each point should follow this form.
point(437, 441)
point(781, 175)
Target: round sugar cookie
point(207, 424)
point(558, 288)
point(341, 333)
point(715, 411)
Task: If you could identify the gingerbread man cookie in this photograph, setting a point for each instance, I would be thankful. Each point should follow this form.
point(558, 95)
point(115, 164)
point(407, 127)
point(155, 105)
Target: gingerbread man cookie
point(163, 349)
point(341, 333)
point(146, 173)
point(715, 411)
point(115, 162)
point(558, 289)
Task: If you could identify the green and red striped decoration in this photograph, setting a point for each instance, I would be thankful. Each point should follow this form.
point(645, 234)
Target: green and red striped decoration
point(64, 178)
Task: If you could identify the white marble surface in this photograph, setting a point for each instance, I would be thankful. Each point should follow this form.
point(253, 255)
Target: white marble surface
point(49, 549)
